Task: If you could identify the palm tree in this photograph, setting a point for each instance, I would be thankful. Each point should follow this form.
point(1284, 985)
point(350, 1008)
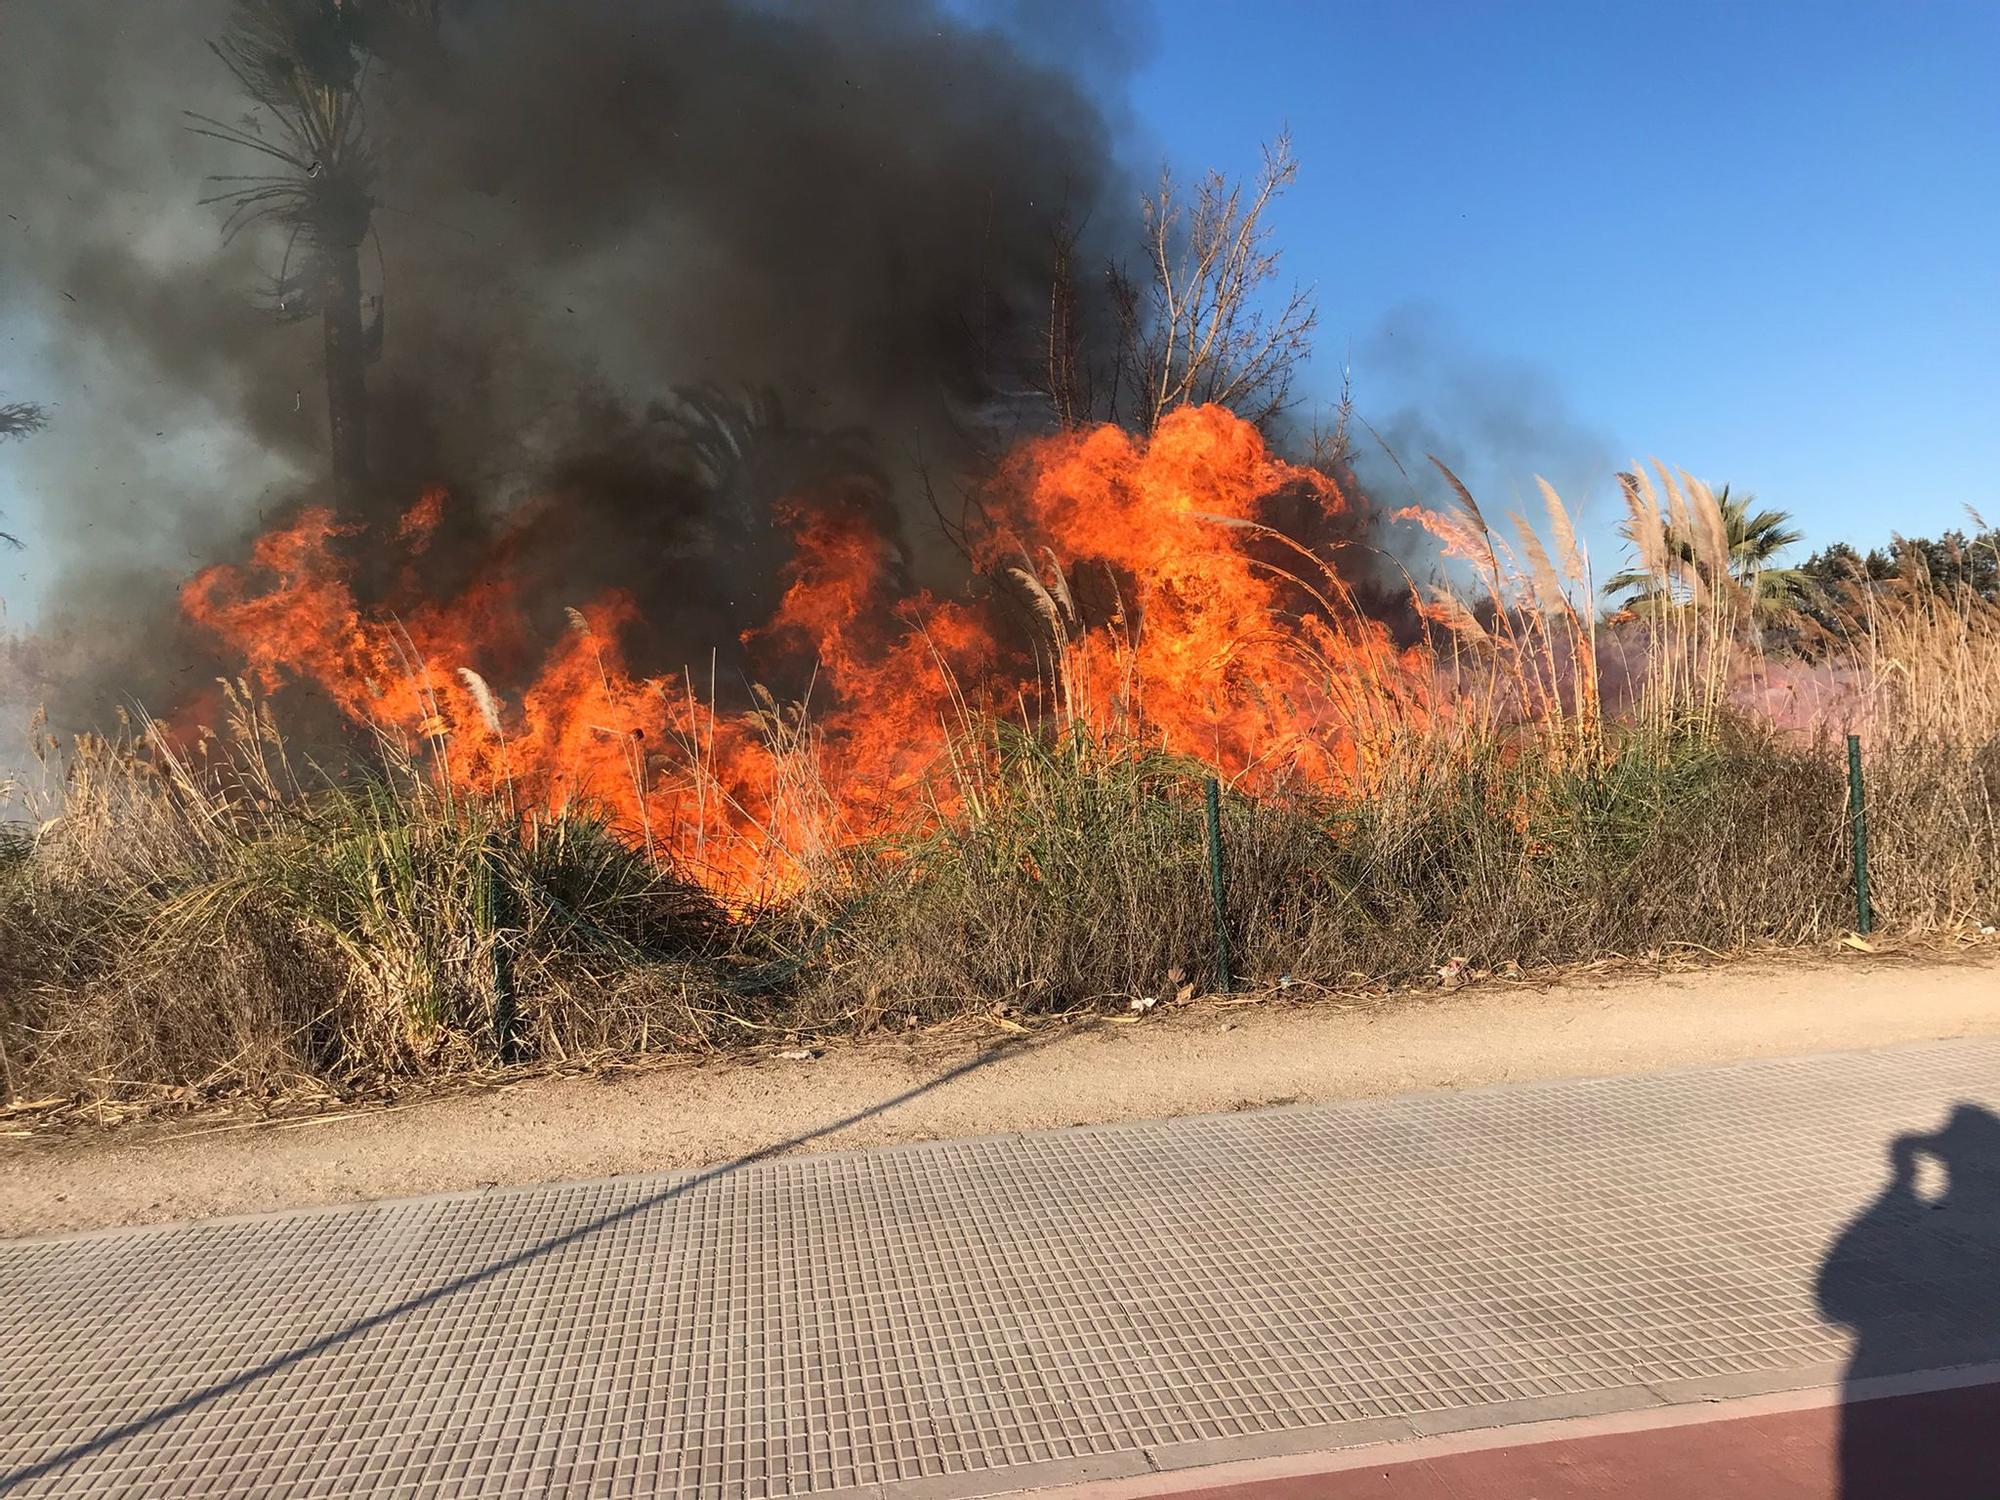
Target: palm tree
point(300, 62)
point(304, 65)
point(1754, 540)
point(17, 420)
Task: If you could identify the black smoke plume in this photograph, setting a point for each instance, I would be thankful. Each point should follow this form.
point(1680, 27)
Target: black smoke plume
point(642, 268)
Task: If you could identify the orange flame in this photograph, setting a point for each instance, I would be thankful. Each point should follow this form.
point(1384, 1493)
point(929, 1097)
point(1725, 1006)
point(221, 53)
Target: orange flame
point(1162, 607)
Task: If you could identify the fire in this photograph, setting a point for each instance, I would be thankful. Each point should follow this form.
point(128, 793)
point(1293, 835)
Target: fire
point(1142, 595)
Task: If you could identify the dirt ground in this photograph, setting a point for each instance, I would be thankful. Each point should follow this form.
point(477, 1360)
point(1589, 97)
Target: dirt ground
point(1206, 1057)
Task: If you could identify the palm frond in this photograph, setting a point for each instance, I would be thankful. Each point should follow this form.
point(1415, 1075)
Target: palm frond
point(20, 418)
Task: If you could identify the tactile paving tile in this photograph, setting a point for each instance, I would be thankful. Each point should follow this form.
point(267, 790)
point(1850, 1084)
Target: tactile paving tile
point(949, 1311)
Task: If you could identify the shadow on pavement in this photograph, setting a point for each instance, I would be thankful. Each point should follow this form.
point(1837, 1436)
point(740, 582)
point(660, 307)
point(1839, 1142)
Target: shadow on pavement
point(197, 1399)
point(1916, 1277)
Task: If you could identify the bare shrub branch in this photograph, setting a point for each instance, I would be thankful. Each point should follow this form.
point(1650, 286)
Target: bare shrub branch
point(1195, 330)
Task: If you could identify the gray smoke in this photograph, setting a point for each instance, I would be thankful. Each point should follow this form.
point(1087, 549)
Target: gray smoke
point(1498, 422)
point(643, 267)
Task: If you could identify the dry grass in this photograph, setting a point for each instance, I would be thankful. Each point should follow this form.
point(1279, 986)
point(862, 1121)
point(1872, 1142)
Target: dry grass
point(212, 923)
point(1085, 881)
point(1931, 724)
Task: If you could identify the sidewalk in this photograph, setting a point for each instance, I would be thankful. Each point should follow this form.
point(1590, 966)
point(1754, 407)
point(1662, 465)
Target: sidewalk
point(977, 1316)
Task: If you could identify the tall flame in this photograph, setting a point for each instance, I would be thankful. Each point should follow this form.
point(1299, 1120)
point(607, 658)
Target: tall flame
point(1158, 604)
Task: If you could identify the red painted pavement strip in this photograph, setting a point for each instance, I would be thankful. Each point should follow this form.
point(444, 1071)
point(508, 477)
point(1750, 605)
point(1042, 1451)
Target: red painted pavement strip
point(1937, 1445)
point(1930, 1434)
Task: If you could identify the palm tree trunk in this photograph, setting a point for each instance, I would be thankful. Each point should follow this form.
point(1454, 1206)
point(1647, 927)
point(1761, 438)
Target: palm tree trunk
point(346, 375)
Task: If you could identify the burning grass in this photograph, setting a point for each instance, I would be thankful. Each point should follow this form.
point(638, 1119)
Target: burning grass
point(615, 863)
point(225, 925)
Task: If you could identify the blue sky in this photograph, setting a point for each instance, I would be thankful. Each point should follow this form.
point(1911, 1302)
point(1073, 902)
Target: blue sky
point(1761, 241)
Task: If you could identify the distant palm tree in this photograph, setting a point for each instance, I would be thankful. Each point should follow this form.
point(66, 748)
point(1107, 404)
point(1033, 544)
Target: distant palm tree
point(1754, 539)
point(17, 420)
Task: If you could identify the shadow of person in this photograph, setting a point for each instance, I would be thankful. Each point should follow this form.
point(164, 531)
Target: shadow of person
point(1916, 1277)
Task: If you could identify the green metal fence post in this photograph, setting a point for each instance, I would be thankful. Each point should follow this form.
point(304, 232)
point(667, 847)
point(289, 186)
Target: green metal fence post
point(1215, 885)
point(1857, 817)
